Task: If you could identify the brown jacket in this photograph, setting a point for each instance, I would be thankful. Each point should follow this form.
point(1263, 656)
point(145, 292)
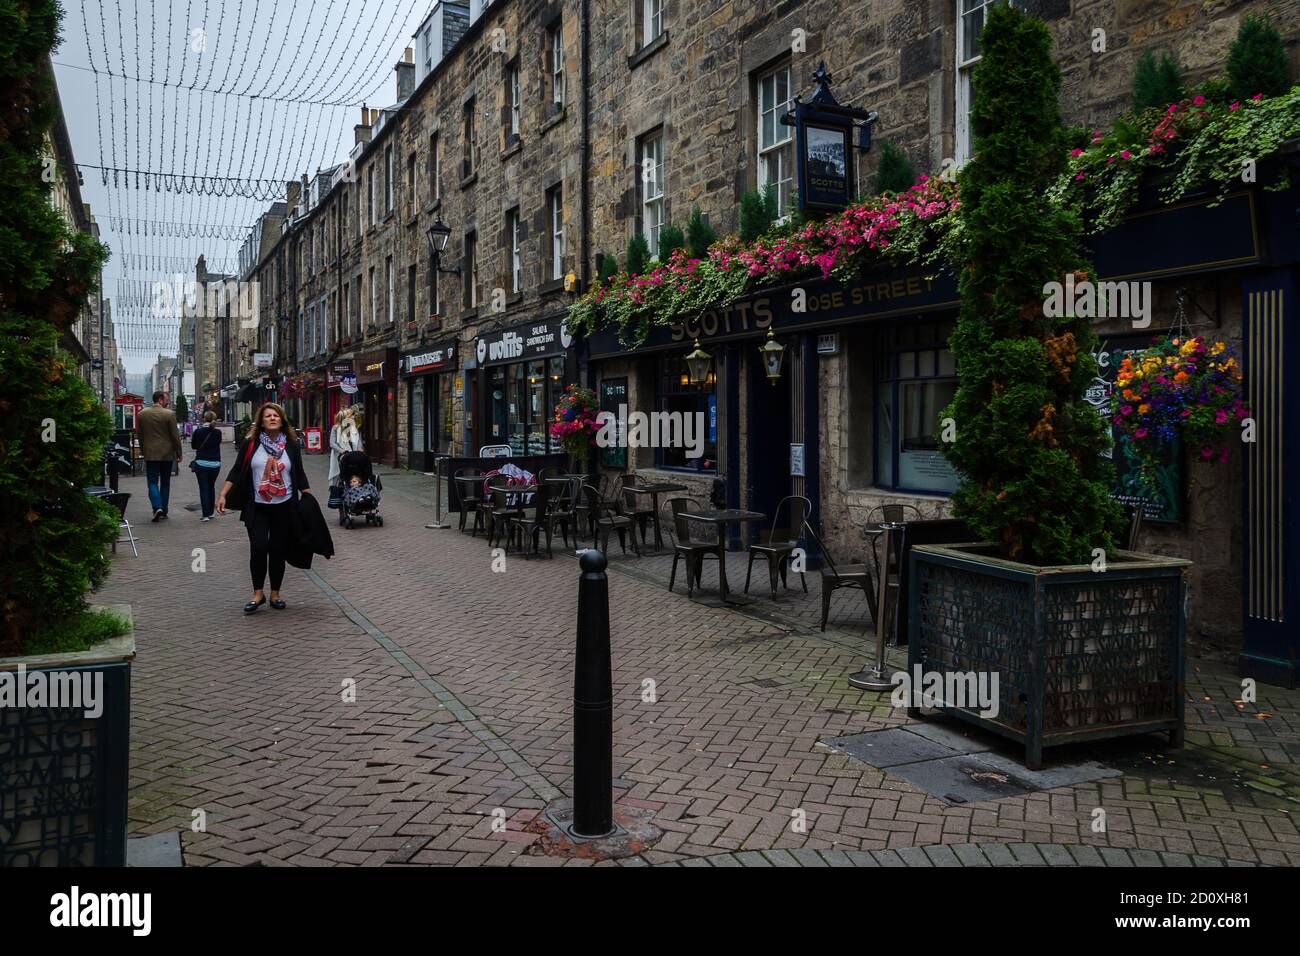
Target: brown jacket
point(160, 439)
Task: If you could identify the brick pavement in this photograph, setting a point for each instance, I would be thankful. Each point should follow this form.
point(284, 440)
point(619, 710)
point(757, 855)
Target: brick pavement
point(463, 702)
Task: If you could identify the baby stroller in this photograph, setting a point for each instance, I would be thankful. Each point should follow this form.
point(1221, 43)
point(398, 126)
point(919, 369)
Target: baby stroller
point(361, 500)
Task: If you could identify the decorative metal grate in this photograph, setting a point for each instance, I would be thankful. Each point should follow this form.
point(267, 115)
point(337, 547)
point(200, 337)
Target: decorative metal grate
point(63, 781)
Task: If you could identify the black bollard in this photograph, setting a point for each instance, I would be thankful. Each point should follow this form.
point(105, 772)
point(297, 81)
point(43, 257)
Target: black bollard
point(593, 704)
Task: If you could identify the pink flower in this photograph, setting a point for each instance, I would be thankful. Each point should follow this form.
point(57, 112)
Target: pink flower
point(1223, 455)
point(1257, 97)
point(1173, 108)
point(1207, 453)
point(1234, 107)
point(1126, 155)
point(1140, 433)
point(1080, 176)
point(1220, 416)
point(1198, 100)
point(1126, 409)
point(1076, 152)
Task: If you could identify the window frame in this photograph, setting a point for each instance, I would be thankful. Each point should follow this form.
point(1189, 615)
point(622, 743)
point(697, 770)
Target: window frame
point(434, 186)
point(388, 277)
point(467, 135)
point(890, 377)
point(963, 143)
point(514, 115)
point(388, 179)
point(469, 289)
point(555, 212)
point(782, 150)
point(653, 207)
point(555, 56)
point(514, 251)
point(652, 21)
point(699, 393)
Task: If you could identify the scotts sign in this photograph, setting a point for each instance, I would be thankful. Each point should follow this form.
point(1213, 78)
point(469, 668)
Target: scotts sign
point(531, 340)
point(435, 359)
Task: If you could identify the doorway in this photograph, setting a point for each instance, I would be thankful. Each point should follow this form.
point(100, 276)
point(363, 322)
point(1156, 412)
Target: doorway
point(769, 435)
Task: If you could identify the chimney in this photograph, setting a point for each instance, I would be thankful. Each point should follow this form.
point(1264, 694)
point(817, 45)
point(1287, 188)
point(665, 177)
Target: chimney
point(362, 130)
point(405, 76)
point(292, 193)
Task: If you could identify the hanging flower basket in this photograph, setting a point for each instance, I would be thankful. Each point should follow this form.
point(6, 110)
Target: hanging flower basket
point(1179, 388)
point(574, 422)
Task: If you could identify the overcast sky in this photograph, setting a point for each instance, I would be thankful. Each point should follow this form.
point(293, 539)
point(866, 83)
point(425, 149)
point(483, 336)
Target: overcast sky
point(248, 92)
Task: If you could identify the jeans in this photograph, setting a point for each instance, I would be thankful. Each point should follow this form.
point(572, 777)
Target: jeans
point(207, 489)
point(269, 531)
point(159, 476)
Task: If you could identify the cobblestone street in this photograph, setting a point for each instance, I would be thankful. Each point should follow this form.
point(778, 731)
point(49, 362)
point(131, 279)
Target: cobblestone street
point(464, 701)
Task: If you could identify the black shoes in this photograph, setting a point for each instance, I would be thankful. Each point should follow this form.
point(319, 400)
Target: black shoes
point(277, 604)
point(252, 606)
point(157, 514)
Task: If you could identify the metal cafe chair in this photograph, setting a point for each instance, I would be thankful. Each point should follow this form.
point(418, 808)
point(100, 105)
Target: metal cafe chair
point(640, 510)
point(778, 543)
point(836, 576)
point(119, 501)
point(890, 514)
point(470, 488)
point(563, 509)
point(693, 549)
point(585, 513)
point(607, 518)
point(498, 510)
point(531, 520)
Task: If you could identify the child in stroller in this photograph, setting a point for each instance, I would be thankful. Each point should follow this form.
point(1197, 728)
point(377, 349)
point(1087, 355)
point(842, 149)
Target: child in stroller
point(361, 488)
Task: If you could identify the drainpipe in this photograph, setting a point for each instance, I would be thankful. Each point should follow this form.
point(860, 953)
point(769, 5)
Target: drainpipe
point(584, 373)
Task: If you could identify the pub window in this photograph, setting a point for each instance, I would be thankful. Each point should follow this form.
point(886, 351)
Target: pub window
point(516, 259)
point(555, 46)
point(651, 175)
point(388, 179)
point(467, 137)
point(512, 103)
point(970, 22)
point(916, 380)
point(675, 394)
point(652, 20)
point(434, 170)
point(410, 292)
point(555, 203)
point(470, 271)
point(775, 150)
point(388, 284)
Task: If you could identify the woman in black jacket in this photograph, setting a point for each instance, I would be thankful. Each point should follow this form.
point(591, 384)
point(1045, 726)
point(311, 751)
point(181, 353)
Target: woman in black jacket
point(264, 485)
point(206, 443)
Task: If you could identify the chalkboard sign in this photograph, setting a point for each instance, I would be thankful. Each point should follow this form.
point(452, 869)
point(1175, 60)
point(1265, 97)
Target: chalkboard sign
point(613, 393)
point(1162, 503)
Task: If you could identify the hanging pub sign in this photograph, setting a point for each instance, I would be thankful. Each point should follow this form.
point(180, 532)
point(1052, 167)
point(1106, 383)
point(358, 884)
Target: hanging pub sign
point(824, 143)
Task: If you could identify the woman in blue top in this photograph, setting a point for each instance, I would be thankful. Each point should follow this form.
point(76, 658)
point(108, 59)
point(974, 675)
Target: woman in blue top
point(206, 443)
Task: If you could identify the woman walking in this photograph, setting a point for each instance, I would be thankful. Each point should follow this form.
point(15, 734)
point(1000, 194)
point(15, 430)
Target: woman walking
point(344, 437)
point(206, 443)
point(264, 485)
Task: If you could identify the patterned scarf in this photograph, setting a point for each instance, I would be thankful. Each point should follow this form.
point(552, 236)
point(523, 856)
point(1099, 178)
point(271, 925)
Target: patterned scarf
point(272, 485)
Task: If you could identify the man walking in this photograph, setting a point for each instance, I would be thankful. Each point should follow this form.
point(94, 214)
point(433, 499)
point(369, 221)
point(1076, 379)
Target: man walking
point(160, 445)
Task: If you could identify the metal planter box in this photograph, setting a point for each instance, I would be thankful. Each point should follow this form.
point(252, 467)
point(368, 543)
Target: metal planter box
point(1079, 654)
point(63, 774)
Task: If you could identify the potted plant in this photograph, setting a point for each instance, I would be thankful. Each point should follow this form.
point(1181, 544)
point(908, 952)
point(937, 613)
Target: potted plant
point(64, 692)
point(574, 423)
point(1085, 640)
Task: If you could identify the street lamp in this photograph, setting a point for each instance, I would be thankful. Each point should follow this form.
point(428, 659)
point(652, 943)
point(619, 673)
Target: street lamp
point(697, 365)
point(438, 234)
point(773, 353)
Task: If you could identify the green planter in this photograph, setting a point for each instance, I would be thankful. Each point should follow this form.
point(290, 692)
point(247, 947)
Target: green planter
point(63, 774)
point(1078, 654)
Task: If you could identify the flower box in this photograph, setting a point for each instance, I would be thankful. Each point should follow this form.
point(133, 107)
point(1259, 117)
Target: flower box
point(1079, 654)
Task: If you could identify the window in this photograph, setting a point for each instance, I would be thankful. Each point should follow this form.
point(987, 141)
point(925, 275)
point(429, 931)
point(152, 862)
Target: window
point(410, 184)
point(555, 44)
point(302, 334)
point(512, 103)
point(970, 22)
point(652, 189)
point(410, 293)
point(323, 324)
point(512, 237)
point(675, 395)
point(347, 312)
point(388, 282)
point(434, 192)
point(917, 378)
point(388, 179)
point(775, 150)
point(555, 203)
point(433, 286)
point(652, 20)
point(470, 270)
point(370, 196)
point(467, 136)
point(374, 298)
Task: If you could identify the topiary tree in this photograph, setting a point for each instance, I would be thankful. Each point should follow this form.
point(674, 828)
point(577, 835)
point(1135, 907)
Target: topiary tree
point(894, 172)
point(757, 212)
point(1256, 60)
point(638, 255)
point(670, 238)
point(1027, 446)
point(699, 235)
point(52, 429)
point(182, 409)
point(1156, 84)
point(608, 267)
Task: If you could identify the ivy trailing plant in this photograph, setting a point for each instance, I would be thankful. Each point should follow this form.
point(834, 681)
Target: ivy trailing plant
point(52, 429)
point(1028, 447)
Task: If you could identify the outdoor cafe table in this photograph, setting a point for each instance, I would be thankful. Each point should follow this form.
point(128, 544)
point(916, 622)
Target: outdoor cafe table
point(721, 519)
point(654, 489)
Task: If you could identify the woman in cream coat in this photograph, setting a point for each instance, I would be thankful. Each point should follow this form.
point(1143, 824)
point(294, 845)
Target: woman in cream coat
point(344, 437)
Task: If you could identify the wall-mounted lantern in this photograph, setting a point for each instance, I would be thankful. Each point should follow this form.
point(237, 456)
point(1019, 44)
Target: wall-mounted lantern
point(697, 365)
point(773, 353)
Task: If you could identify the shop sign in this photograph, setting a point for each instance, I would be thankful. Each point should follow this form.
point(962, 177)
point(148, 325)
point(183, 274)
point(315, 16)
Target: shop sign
point(613, 393)
point(796, 460)
point(377, 367)
point(335, 372)
point(348, 383)
point(429, 360)
point(532, 340)
point(824, 131)
point(263, 359)
point(828, 343)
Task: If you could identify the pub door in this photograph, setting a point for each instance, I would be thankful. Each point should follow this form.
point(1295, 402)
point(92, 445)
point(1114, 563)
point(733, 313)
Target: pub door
point(768, 437)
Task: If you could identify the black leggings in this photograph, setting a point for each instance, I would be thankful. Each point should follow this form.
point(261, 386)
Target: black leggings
point(268, 538)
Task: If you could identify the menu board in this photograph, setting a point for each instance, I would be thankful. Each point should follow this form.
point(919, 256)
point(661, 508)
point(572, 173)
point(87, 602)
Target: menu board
point(613, 393)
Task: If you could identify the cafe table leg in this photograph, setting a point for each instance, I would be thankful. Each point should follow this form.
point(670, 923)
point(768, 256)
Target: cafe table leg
point(654, 503)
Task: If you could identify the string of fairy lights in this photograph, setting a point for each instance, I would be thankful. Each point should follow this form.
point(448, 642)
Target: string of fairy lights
point(204, 110)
